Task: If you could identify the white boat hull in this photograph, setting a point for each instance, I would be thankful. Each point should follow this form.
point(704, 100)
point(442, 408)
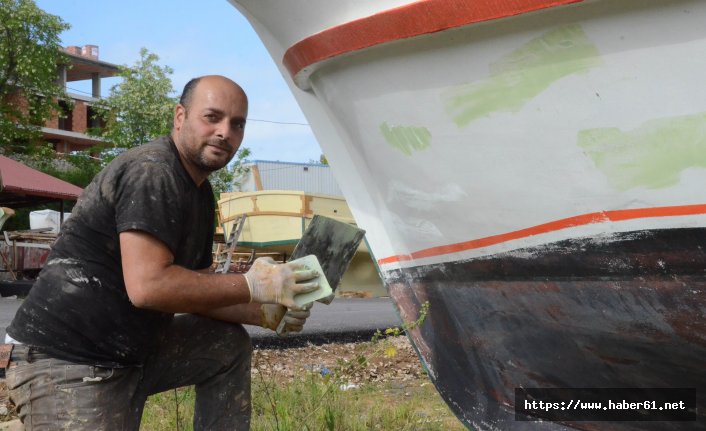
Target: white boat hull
point(551, 150)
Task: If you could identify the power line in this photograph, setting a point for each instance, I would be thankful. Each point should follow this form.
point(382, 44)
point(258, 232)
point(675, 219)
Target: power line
point(278, 122)
point(79, 91)
point(291, 123)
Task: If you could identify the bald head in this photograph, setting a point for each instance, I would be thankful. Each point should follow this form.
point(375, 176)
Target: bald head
point(190, 87)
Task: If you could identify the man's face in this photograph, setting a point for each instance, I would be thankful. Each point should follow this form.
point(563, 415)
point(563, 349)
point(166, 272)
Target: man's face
point(209, 131)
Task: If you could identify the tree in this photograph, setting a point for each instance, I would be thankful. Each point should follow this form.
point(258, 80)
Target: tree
point(30, 50)
point(140, 107)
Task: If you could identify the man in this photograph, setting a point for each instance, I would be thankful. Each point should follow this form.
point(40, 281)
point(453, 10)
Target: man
point(97, 334)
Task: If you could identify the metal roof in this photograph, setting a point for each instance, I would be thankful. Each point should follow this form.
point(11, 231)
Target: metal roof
point(22, 186)
point(307, 177)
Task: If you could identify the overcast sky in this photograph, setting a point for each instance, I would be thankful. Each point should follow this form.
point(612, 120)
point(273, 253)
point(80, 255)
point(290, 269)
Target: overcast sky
point(195, 38)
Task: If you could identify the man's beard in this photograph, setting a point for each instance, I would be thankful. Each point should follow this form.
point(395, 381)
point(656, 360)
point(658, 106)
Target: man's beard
point(202, 162)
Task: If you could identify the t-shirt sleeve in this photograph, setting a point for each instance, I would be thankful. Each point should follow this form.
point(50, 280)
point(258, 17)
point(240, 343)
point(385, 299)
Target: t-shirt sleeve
point(147, 200)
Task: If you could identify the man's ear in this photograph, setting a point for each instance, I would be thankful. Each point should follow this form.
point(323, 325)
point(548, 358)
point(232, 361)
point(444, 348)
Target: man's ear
point(179, 116)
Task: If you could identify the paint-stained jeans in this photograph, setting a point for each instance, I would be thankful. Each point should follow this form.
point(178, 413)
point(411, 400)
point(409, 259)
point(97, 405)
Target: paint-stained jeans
point(52, 394)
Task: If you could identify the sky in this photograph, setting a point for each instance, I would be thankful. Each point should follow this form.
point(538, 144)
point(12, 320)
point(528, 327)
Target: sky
point(194, 38)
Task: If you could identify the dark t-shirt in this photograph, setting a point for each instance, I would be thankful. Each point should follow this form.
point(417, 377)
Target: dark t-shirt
point(78, 309)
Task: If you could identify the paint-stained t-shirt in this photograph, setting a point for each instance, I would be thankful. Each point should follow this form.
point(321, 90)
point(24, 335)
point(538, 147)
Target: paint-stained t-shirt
point(78, 309)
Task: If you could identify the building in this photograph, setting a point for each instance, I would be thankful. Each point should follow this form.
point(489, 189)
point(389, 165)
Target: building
point(68, 132)
point(306, 177)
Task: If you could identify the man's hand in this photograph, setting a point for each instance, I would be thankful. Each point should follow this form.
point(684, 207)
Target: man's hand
point(273, 283)
point(294, 320)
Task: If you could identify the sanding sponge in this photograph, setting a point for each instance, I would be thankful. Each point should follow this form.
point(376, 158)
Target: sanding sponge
point(324, 290)
point(304, 299)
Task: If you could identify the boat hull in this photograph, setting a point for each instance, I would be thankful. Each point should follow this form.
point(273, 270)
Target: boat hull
point(562, 316)
point(534, 169)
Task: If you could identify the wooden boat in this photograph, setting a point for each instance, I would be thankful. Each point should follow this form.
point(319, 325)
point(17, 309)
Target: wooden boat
point(275, 222)
point(533, 169)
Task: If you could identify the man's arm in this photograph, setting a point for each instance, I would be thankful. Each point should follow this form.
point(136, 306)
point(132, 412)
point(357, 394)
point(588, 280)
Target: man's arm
point(248, 314)
point(153, 281)
point(263, 315)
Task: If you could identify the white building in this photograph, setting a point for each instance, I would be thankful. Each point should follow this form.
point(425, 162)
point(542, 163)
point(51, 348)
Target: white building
point(307, 177)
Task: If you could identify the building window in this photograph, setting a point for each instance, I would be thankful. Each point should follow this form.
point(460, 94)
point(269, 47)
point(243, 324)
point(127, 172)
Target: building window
point(65, 116)
point(94, 120)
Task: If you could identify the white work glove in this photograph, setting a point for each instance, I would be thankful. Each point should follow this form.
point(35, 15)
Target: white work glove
point(278, 283)
point(294, 320)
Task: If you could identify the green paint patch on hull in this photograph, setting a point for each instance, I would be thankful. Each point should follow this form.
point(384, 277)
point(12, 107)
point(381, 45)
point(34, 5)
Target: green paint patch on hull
point(406, 138)
point(523, 74)
point(652, 156)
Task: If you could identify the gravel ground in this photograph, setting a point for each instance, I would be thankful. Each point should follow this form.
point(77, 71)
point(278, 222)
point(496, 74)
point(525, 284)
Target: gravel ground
point(391, 359)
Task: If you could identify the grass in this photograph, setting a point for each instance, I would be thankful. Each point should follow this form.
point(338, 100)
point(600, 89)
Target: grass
point(372, 386)
point(312, 402)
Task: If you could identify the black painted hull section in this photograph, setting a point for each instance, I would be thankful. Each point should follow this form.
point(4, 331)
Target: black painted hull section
point(622, 311)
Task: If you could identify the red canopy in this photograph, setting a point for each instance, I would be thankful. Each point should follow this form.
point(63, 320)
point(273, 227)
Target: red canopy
point(23, 186)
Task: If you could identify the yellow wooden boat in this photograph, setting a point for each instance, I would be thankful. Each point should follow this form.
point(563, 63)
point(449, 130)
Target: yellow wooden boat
point(275, 222)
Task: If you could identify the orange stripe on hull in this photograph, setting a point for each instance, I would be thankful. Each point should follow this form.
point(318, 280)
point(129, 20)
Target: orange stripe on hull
point(422, 17)
point(580, 220)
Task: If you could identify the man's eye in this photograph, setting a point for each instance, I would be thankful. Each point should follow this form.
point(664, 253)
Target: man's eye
point(211, 117)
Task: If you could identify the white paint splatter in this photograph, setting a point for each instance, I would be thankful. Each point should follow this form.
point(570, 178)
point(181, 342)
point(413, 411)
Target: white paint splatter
point(77, 276)
point(92, 379)
point(67, 261)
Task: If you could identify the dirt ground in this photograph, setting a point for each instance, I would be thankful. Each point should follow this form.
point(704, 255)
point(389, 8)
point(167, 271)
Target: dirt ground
point(391, 359)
